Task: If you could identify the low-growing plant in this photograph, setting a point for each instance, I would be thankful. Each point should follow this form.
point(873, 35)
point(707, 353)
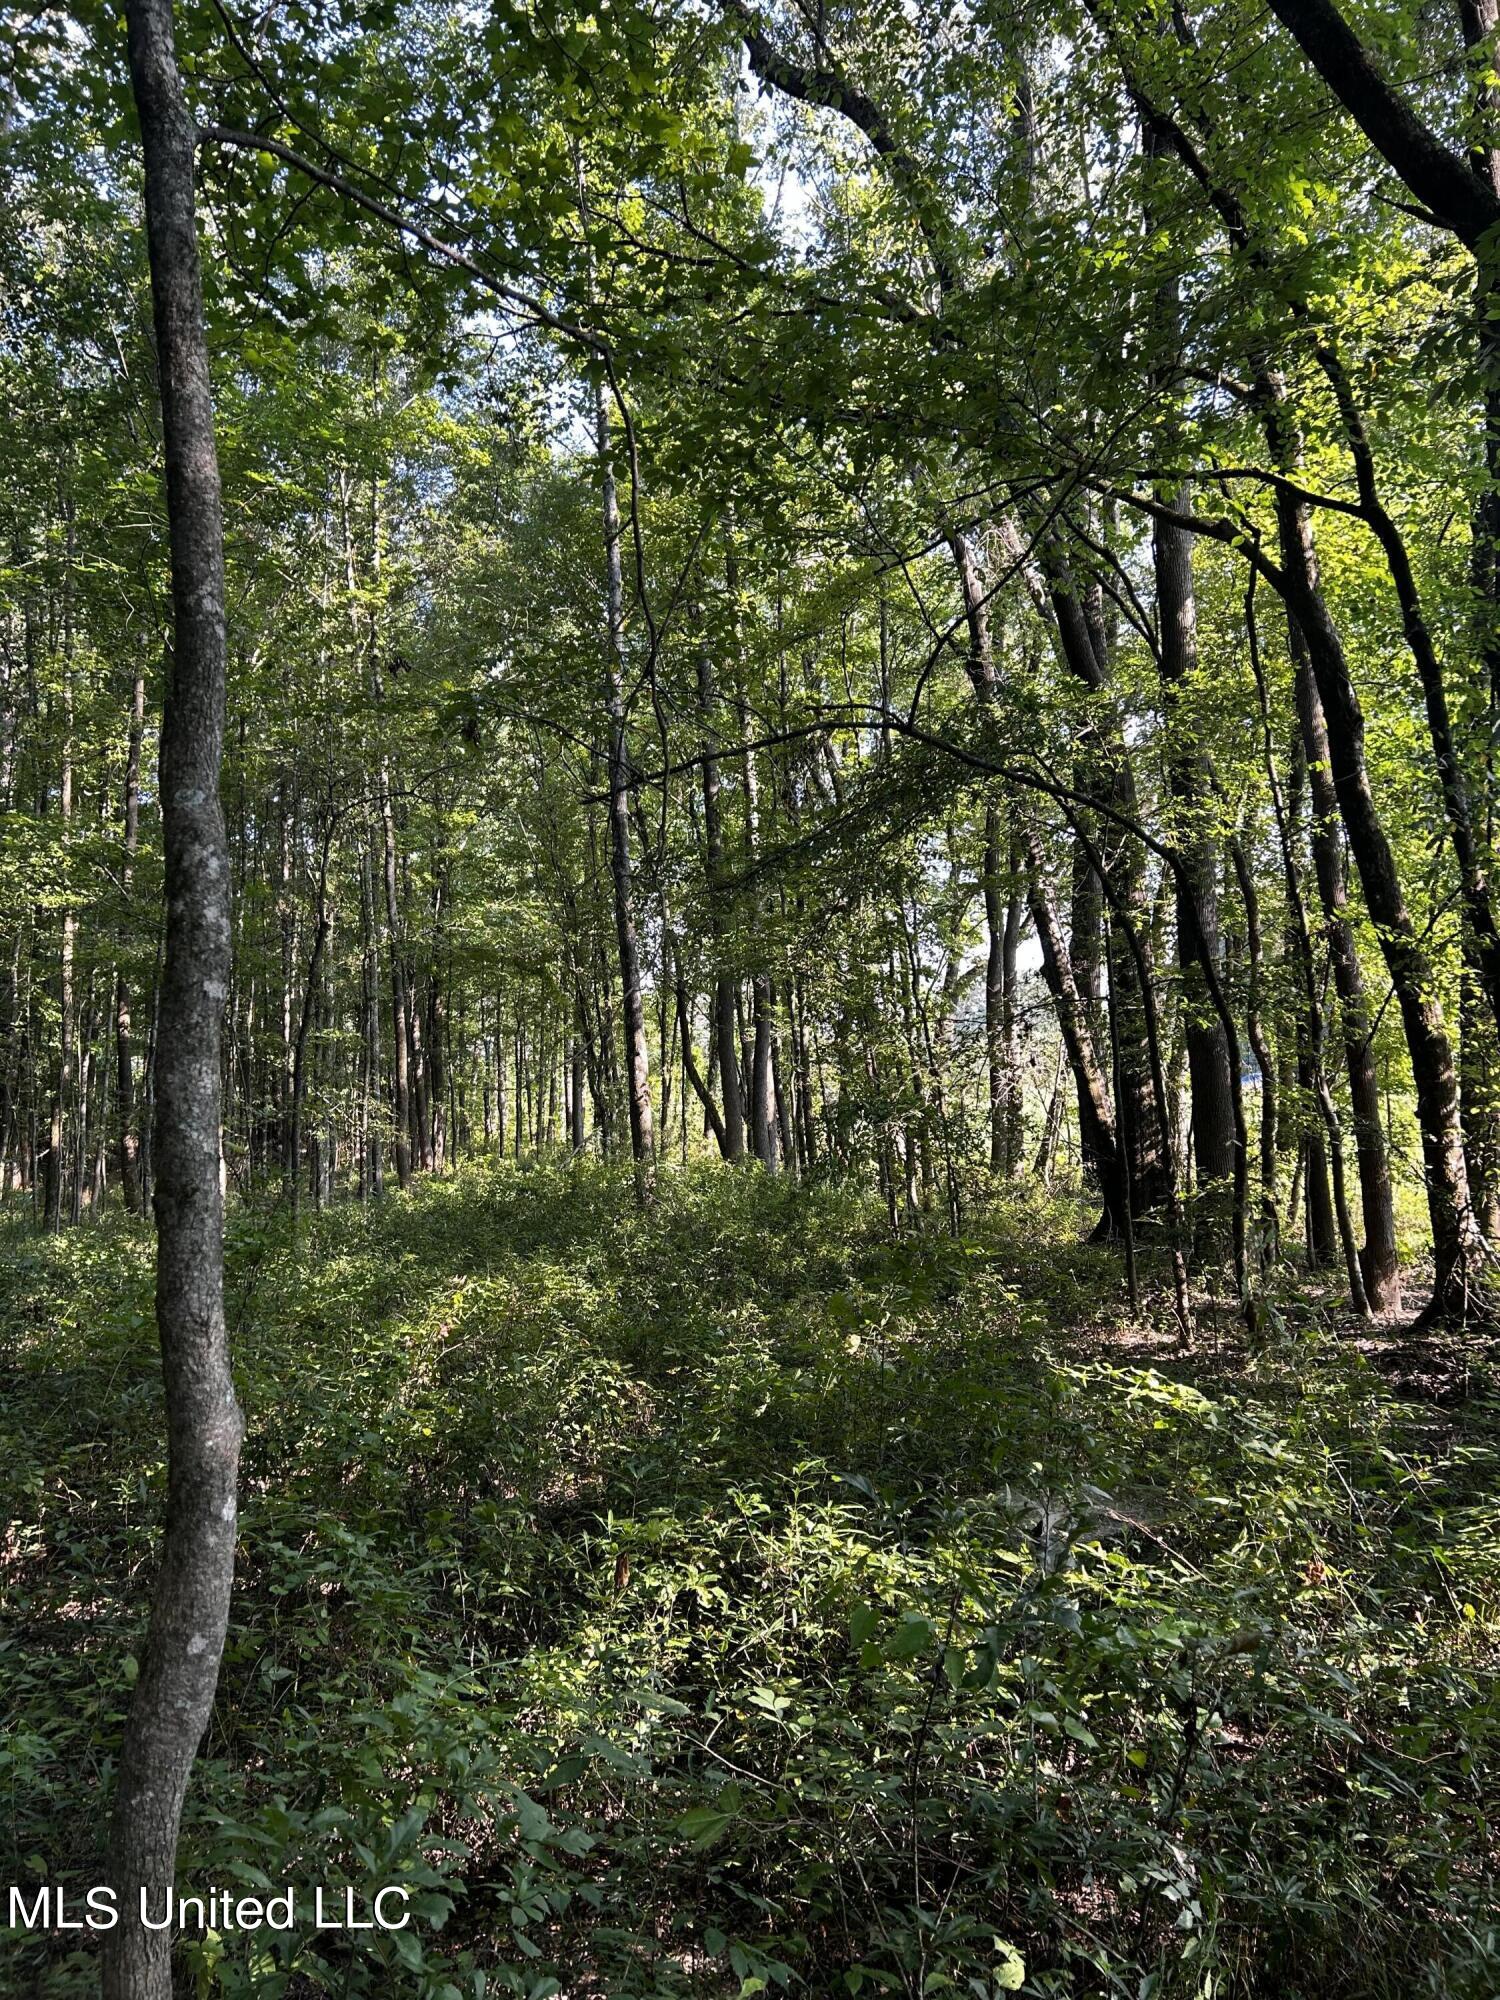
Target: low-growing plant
point(733, 1600)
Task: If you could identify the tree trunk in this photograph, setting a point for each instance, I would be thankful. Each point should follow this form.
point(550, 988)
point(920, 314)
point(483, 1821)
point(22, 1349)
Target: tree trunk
point(997, 1054)
point(129, 1138)
point(372, 1174)
point(190, 1608)
point(62, 1081)
point(762, 1082)
point(1378, 1261)
point(637, 1057)
point(690, 1067)
point(437, 1045)
point(1086, 950)
point(1464, 202)
point(500, 1093)
point(730, 1130)
point(1196, 883)
point(1483, 941)
point(1106, 771)
point(1133, 1133)
point(416, 1049)
point(1458, 1249)
point(310, 993)
point(1255, 1028)
point(763, 1126)
point(1010, 946)
point(576, 1059)
point(400, 1050)
point(1479, 1085)
point(1096, 1116)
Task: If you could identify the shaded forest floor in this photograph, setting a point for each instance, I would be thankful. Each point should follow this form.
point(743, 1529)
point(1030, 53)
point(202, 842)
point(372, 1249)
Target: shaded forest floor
point(734, 1600)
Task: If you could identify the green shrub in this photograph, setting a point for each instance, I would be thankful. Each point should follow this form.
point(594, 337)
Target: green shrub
point(733, 1600)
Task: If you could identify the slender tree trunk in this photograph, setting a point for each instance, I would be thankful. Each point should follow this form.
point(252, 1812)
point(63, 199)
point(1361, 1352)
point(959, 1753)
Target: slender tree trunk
point(1314, 1162)
point(786, 1139)
point(1255, 1028)
point(1321, 1229)
point(372, 1169)
point(129, 1138)
point(437, 1043)
point(190, 1608)
point(1459, 1252)
point(310, 995)
point(1105, 771)
point(807, 1119)
point(637, 1056)
point(400, 1049)
point(730, 1131)
point(287, 914)
point(763, 1130)
point(690, 1064)
point(1195, 881)
point(416, 1044)
point(62, 1081)
point(10, 1039)
point(1086, 948)
point(83, 1113)
point(1379, 1266)
point(1046, 1151)
point(577, 1061)
point(436, 1135)
point(1123, 903)
point(1096, 1115)
point(1099, 1133)
point(1010, 948)
point(11, 1056)
point(997, 1054)
point(762, 1081)
point(1483, 940)
point(499, 1082)
point(1479, 1085)
point(148, 1078)
point(1465, 201)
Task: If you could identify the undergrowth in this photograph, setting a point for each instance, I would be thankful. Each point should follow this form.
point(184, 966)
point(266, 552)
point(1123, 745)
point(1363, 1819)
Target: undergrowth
point(733, 1600)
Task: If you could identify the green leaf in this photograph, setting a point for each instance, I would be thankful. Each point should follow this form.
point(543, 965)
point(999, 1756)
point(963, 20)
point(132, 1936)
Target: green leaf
point(703, 1825)
point(863, 1620)
point(1010, 1968)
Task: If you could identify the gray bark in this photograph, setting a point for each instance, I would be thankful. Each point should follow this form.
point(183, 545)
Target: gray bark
point(637, 1058)
point(730, 1131)
point(130, 1145)
point(190, 1607)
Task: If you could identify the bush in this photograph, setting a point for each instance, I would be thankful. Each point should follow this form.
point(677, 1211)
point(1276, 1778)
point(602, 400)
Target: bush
point(733, 1600)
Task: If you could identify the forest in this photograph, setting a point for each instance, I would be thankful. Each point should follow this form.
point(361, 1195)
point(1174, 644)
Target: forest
point(750, 999)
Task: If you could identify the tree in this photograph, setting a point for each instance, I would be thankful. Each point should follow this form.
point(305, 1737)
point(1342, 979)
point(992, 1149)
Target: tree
point(190, 1606)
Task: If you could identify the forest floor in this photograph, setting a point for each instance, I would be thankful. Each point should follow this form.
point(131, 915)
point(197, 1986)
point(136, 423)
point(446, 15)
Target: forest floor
point(735, 1600)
